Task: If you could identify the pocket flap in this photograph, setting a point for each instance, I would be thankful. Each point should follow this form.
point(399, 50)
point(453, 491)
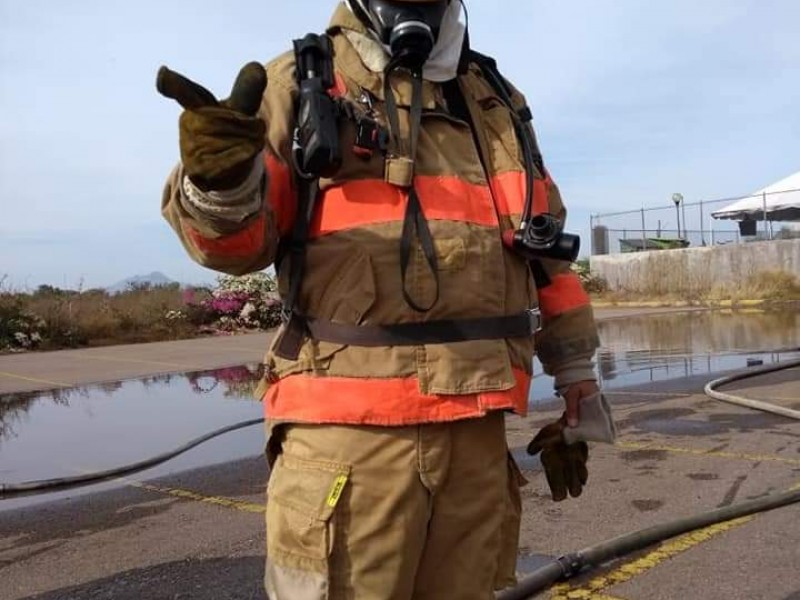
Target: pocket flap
point(313, 488)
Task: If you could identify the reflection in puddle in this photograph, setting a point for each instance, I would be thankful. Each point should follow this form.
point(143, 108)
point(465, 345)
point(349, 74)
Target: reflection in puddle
point(638, 350)
point(645, 349)
point(67, 432)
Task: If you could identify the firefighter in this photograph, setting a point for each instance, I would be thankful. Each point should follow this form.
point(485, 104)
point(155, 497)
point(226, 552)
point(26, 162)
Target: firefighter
point(410, 318)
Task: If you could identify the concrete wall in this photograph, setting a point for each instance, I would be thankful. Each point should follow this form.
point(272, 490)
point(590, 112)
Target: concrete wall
point(695, 270)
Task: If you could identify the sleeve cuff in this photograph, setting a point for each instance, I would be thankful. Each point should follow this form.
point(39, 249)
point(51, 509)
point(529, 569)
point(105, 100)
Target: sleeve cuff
point(573, 372)
point(234, 205)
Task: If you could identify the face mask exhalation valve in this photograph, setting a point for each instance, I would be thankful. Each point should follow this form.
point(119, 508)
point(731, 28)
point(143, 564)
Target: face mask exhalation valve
point(410, 29)
point(411, 43)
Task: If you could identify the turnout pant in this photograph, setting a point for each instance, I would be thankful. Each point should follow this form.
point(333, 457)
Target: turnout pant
point(392, 513)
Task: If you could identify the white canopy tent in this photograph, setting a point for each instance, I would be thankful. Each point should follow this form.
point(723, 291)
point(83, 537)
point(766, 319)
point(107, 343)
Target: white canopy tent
point(777, 202)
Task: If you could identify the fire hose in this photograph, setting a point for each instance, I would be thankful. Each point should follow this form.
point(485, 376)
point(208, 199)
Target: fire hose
point(559, 569)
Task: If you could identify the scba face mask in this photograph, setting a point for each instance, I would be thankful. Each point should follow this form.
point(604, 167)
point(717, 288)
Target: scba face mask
point(409, 28)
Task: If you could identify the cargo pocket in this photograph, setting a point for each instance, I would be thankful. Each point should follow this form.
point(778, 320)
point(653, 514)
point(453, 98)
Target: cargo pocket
point(302, 497)
point(509, 543)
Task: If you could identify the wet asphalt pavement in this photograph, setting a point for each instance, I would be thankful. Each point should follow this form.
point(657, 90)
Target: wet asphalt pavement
point(199, 533)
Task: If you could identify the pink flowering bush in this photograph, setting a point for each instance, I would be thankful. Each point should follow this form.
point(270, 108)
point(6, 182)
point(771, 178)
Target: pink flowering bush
point(250, 302)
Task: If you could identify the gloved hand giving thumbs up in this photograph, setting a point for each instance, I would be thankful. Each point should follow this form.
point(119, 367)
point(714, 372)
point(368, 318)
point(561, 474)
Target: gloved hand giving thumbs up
point(219, 139)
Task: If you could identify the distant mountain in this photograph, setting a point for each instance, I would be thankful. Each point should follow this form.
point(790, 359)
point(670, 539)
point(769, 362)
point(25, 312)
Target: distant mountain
point(154, 279)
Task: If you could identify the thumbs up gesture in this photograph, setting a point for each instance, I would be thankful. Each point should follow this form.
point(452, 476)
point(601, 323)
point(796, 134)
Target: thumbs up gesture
point(218, 139)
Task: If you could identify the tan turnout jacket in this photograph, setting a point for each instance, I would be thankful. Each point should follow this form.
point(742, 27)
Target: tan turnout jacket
point(470, 196)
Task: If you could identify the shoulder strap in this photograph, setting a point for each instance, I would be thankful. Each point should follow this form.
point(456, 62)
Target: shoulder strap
point(314, 151)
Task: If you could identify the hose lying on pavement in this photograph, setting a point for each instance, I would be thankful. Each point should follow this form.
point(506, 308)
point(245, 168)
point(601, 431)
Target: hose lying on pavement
point(562, 568)
point(11, 490)
point(711, 391)
point(568, 566)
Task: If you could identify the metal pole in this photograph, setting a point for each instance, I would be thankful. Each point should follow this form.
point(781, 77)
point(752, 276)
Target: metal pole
point(678, 215)
point(702, 229)
point(645, 246)
point(711, 228)
point(683, 209)
point(764, 203)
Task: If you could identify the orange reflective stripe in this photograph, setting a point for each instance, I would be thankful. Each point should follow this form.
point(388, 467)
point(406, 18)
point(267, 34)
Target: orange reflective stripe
point(563, 294)
point(361, 203)
point(509, 192)
point(241, 244)
point(279, 193)
point(383, 402)
point(339, 89)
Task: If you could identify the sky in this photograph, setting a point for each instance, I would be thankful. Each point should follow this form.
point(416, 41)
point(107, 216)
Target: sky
point(633, 101)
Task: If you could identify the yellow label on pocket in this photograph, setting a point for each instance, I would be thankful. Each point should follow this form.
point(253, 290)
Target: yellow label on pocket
point(336, 490)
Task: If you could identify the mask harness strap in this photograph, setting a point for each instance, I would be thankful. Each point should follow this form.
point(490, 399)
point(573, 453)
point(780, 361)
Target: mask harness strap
point(414, 221)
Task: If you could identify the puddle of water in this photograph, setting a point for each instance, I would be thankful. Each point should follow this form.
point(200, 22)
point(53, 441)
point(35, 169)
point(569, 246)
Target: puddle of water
point(67, 432)
point(71, 431)
point(640, 350)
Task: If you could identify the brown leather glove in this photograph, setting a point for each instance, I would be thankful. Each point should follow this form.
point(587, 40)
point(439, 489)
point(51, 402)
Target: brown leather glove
point(564, 464)
point(219, 139)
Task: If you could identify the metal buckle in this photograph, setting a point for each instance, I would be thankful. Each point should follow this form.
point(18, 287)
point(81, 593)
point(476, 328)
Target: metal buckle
point(535, 319)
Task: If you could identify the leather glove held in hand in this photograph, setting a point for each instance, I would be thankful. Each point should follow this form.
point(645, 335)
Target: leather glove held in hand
point(218, 140)
point(564, 464)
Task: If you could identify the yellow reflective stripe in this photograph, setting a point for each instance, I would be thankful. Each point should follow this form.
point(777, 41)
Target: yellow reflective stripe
point(336, 490)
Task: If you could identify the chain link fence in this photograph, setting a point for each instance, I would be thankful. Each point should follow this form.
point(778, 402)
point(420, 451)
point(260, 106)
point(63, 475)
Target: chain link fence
point(682, 225)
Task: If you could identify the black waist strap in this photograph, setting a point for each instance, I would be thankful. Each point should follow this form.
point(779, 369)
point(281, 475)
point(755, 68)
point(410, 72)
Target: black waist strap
point(429, 332)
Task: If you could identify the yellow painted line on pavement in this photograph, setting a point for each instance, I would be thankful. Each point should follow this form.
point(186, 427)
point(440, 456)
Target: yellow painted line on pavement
point(239, 505)
point(653, 394)
point(136, 360)
point(667, 550)
point(634, 568)
point(584, 595)
point(33, 379)
point(701, 452)
point(262, 349)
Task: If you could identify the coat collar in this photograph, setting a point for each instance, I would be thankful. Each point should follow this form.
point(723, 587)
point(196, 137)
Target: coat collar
point(348, 60)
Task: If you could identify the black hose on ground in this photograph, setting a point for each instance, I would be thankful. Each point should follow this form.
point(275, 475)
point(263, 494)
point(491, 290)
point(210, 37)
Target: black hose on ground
point(562, 568)
point(12, 490)
point(568, 566)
